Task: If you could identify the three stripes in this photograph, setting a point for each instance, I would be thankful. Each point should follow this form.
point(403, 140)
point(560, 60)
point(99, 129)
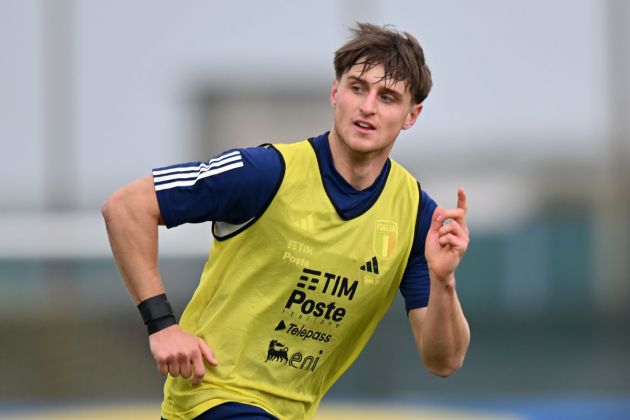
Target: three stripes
point(371, 266)
point(185, 176)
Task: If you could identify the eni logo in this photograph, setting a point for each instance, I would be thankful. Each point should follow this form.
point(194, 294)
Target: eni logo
point(280, 353)
point(385, 238)
point(277, 351)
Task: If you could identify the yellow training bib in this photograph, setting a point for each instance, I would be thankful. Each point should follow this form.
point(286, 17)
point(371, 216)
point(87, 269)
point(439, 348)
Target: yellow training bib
point(289, 302)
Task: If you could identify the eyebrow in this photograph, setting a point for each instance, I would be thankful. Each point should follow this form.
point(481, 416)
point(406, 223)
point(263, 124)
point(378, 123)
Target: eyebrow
point(384, 89)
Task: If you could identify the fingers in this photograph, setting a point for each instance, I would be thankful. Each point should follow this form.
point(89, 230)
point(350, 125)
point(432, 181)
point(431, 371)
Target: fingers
point(448, 238)
point(462, 204)
point(458, 214)
point(455, 214)
point(198, 367)
point(454, 235)
point(207, 352)
point(162, 367)
point(461, 200)
point(460, 244)
point(173, 366)
point(184, 365)
point(454, 228)
point(181, 354)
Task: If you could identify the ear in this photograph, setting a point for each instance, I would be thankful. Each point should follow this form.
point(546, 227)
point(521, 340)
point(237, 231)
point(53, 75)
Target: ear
point(333, 92)
point(412, 116)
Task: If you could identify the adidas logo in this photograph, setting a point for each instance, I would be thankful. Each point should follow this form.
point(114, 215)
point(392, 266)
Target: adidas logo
point(371, 266)
point(306, 223)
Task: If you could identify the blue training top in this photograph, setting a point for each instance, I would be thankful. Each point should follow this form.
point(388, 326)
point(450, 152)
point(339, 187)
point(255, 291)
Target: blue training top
point(236, 186)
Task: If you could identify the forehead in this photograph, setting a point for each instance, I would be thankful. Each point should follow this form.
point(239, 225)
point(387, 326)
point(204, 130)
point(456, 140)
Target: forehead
point(376, 75)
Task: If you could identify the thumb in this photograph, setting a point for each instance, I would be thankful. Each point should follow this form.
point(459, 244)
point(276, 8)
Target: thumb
point(437, 220)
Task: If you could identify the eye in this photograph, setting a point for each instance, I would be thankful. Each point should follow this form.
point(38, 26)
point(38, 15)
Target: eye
point(356, 88)
point(388, 99)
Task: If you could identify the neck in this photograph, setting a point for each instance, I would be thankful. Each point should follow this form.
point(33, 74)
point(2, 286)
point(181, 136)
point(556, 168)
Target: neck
point(360, 170)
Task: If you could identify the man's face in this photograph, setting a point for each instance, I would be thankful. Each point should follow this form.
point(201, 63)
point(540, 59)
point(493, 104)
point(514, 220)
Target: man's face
point(370, 113)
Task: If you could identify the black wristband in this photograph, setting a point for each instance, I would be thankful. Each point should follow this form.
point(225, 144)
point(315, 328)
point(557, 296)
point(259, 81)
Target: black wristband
point(157, 313)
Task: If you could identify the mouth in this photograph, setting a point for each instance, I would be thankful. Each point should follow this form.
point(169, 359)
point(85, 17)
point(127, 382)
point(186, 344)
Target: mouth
point(364, 125)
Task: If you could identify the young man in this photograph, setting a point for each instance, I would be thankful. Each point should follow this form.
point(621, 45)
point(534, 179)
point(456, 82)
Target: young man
point(312, 241)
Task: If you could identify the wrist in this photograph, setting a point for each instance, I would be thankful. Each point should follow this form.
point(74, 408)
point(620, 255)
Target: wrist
point(446, 281)
point(157, 313)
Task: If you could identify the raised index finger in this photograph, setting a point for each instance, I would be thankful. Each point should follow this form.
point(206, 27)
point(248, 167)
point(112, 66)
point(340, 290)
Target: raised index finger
point(461, 200)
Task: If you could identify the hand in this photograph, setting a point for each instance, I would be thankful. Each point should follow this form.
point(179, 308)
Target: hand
point(180, 353)
point(446, 243)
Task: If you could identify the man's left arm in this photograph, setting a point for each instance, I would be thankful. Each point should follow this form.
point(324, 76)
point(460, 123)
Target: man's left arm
point(440, 330)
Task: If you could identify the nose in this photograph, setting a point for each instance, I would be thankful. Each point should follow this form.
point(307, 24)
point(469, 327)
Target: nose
point(368, 106)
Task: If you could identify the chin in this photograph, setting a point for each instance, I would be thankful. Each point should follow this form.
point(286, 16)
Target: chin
point(363, 146)
point(358, 142)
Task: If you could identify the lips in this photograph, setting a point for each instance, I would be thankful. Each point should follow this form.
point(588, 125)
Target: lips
point(364, 125)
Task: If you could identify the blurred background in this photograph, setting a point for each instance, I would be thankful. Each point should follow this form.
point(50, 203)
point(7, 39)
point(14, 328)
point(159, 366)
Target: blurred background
point(530, 112)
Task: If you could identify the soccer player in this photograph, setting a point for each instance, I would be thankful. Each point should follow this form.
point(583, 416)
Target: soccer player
point(312, 241)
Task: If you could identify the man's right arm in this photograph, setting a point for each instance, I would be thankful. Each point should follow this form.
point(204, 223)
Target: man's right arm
point(132, 216)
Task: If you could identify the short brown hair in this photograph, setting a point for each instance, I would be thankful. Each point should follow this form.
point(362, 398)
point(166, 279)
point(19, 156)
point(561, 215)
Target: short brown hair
point(399, 53)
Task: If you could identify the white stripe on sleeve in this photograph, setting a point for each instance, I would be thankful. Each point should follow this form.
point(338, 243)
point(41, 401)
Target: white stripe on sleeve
point(201, 175)
point(200, 169)
point(195, 168)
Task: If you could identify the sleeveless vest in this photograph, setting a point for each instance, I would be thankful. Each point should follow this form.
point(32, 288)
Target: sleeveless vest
point(290, 300)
